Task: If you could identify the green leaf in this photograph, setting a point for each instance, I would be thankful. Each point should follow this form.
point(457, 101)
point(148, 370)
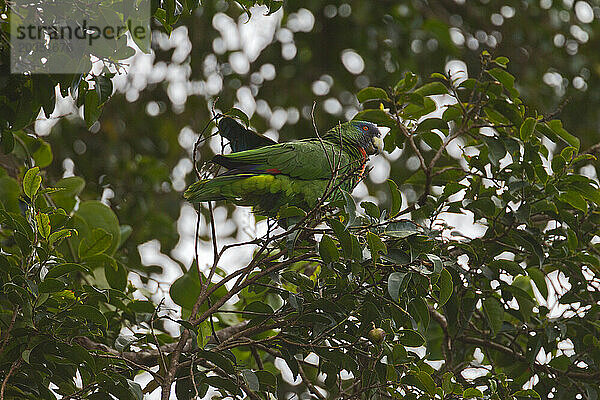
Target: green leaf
point(556, 126)
point(25, 355)
point(446, 287)
point(531, 242)
point(572, 241)
point(503, 61)
point(575, 199)
point(471, 393)
point(561, 362)
point(328, 250)
point(432, 88)
point(420, 312)
point(410, 338)
point(540, 281)
point(523, 293)
point(290, 212)
point(452, 188)
point(394, 283)
point(239, 114)
point(91, 108)
point(496, 149)
point(222, 383)
point(56, 237)
point(415, 98)
point(438, 265)
point(427, 381)
point(527, 128)
point(527, 394)
point(43, 154)
point(43, 224)
point(103, 88)
point(125, 231)
point(432, 123)
point(51, 285)
point(32, 182)
point(342, 235)
point(204, 333)
point(371, 209)
point(568, 152)
point(396, 198)
point(7, 141)
point(375, 245)
point(217, 359)
point(251, 379)
point(376, 116)
point(432, 139)
point(414, 111)
point(407, 83)
point(97, 243)
point(452, 113)
point(90, 314)
point(298, 279)
point(484, 206)
point(72, 187)
point(135, 389)
point(266, 379)
point(448, 386)
point(401, 229)
point(349, 208)
point(66, 268)
point(257, 312)
point(506, 79)
point(371, 93)
point(186, 289)
point(10, 191)
point(99, 215)
point(115, 274)
point(494, 312)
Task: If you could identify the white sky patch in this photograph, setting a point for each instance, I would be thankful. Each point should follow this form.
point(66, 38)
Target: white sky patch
point(381, 170)
point(258, 32)
point(353, 62)
point(584, 12)
point(457, 70)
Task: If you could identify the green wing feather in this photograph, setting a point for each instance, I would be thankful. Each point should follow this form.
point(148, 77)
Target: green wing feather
point(303, 159)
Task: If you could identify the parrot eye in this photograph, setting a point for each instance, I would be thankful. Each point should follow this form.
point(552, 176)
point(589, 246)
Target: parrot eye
point(365, 128)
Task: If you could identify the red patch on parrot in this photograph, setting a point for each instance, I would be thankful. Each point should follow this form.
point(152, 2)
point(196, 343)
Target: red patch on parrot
point(364, 162)
point(362, 170)
point(364, 154)
point(273, 171)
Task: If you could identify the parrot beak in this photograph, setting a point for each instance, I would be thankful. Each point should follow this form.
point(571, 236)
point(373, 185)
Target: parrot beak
point(377, 144)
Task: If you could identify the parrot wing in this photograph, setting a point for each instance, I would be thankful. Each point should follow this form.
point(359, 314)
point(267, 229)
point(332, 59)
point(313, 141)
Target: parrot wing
point(303, 159)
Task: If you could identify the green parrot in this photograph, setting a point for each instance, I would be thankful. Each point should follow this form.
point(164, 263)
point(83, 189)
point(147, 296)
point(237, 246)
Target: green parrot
point(270, 175)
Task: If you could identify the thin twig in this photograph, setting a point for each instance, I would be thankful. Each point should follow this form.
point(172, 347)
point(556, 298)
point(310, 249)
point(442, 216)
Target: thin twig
point(12, 369)
point(10, 326)
point(309, 384)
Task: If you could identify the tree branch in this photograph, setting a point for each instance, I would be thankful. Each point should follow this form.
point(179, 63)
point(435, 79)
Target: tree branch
point(585, 376)
point(151, 357)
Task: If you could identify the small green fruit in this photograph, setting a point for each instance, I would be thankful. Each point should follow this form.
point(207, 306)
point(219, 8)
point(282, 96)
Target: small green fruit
point(376, 335)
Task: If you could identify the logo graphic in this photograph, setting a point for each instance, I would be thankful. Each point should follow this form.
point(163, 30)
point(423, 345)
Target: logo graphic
point(66, 36)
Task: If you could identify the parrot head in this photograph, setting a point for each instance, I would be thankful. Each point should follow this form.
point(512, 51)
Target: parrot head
point(364, 136)
point(369, 138)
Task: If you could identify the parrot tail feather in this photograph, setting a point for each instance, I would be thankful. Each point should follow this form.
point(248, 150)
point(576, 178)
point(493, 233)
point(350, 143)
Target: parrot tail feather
point(218, 188)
